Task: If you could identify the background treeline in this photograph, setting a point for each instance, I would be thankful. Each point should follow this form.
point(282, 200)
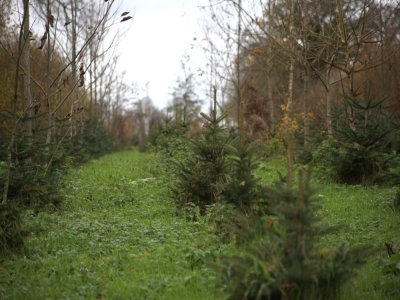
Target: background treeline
point(321, 77)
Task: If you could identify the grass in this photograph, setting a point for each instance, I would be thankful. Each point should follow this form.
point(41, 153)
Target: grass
point(367, 217)
point(117, 236)
point(364, 216)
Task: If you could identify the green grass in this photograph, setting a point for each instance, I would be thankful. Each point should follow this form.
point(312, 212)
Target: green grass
point(367, 217)
point(117, 236)
point(364, 216)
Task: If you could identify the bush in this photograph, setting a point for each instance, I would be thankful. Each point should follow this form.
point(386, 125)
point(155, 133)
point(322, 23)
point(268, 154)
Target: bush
point(350, 164)
point(172, 141)
point(358, 165)
point(274, 147)
point(37, 168)
point(215, 166)
point(396, 200)
point(35, 174)
point(92, 142)
point(221, 217)
point(304, 157)
point(358, 153)
point(392, 174)
point(243, 189)
point(11, 231)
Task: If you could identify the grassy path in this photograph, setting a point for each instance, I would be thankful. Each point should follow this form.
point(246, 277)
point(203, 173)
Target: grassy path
point(117, 238)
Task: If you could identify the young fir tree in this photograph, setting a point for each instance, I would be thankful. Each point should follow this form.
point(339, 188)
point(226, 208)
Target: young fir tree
point(243, 190)
point(364, 131)
point(201, 178)
point(286, 262)
point(311, 272)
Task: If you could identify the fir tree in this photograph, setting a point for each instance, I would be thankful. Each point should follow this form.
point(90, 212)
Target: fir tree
point(286, 261)
point(243, 190)
point(364, 131)
point(201, 178)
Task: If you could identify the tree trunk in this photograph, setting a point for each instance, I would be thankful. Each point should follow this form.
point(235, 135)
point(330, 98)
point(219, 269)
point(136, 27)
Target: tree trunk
point(238, 74)
point(48, 80)
point(271, 108)
point(26, 65)
point(328, 102)
point(73, 62)
point(9, 163)
point(22, 41)
point(305, 108)
point(289, 134)
point(91, 103)
point(306, 78)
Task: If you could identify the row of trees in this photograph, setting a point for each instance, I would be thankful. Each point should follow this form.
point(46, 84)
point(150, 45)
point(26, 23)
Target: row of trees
point(61, 90)
point(274, 60)
point(61, 98)
point(63, 101)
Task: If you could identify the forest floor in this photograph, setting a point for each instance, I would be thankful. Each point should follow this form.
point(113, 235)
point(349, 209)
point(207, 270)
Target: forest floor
point(117, 236)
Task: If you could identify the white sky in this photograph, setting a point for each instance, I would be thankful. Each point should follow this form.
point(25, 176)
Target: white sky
point(161, 33)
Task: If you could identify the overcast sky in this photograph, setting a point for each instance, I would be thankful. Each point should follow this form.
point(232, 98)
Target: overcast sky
point(161, 33)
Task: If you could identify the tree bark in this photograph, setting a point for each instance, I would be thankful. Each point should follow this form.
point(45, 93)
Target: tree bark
point(306, 78)
point(48, 80)
point(73, 62)
point(26, 64)
point(305, 108)
point(271, 107)
point(22, 40)
point(238, 73)
point(328, 102)
point(290, 98)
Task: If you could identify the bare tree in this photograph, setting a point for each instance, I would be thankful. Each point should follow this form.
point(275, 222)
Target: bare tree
point(54, 78)
point(26, 65)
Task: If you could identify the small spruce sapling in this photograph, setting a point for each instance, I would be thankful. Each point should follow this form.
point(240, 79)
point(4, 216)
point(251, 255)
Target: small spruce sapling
point(286, 262)
point(201, 178)
point(362, 129)
point(243, 190)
